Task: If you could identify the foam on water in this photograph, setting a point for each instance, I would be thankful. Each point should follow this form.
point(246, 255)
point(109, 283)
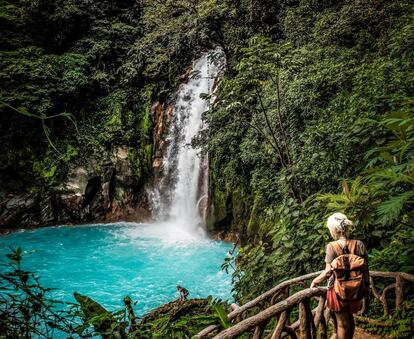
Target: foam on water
point(107, 262)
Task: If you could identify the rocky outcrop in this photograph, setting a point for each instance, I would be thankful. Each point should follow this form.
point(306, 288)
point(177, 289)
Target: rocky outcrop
point(112, 192)
point(124, 198)
point(161, 116)
point(19, 209)
point(70, 194)
point(96, 192)
point(93, 192)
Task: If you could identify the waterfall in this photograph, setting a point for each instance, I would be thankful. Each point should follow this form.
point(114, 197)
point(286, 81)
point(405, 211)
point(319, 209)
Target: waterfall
point(180, 195)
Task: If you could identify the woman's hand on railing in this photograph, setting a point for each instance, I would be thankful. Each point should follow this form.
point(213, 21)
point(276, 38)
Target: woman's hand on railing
point(321, 277)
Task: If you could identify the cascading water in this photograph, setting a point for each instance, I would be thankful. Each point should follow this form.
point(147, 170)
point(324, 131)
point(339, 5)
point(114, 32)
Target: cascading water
point(180, 196)
point(145, 261)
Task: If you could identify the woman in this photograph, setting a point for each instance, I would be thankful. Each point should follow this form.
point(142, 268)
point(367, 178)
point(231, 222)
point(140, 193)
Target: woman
point(339, 225)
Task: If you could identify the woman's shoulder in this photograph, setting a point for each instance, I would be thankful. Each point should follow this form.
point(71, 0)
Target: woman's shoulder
point(330, 246)
point(359, 242)
point(360, 246)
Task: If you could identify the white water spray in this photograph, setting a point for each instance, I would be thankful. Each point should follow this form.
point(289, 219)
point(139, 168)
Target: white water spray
point(182, 189)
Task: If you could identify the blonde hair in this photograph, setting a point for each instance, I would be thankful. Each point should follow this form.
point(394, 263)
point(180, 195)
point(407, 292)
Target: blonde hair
point(338, 224)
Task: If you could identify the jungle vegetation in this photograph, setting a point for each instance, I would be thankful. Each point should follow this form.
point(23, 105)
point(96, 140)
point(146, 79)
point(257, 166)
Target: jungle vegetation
point(314, 115)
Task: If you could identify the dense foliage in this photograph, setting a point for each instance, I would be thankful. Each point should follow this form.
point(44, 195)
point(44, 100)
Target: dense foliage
point(26, 308)
point(314, 121)
point(98, 62)
point(60, 56)
point(315, 113)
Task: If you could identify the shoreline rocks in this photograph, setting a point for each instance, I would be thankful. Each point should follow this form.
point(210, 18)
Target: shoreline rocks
point(88, 193)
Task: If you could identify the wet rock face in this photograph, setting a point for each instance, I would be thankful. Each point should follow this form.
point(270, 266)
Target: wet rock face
point(112, 195)
point(121, 199)
point(124, 174)
point(68, 197)
point(89, 193)
point(77, 181)
point(19, 209)
point(161, 116)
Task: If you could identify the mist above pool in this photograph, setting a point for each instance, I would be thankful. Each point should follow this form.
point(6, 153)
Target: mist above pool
point(108, 262)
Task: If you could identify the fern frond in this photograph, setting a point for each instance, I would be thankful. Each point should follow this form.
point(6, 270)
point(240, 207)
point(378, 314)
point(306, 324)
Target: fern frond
point(357, 187)
point(389, 210)
point(391, 176)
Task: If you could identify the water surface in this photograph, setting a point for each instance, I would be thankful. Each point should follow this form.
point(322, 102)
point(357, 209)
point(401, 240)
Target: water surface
point(107, 262)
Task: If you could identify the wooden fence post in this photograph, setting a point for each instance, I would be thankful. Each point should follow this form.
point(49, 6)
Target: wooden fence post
point(259, 331)
point(308, 324)
point(399, 292)
point(304, 321)
point(280, 325)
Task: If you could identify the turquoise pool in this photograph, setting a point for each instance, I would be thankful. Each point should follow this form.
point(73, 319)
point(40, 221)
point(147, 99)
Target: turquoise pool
point(107, 262)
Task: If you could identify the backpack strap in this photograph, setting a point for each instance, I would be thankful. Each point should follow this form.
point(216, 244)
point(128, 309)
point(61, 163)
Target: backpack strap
point(337, 248)
point(352, 246)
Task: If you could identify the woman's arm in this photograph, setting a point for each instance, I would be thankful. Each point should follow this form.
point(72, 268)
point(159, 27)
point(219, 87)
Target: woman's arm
point(322, 277)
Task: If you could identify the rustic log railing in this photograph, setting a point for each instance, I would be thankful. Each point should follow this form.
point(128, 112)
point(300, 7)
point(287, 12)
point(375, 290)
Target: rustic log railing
point(276, 312)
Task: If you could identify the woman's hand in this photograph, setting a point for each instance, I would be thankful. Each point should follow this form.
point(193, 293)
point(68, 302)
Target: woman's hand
point(321, 277)
point(314, 283)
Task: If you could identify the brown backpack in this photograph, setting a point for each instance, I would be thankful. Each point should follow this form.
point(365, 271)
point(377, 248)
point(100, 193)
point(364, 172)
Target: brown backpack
point(348, 269)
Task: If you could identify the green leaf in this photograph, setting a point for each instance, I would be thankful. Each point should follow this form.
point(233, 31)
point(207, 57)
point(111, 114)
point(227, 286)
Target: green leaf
point(101, 319)
point(221, 314)
point(389, 210)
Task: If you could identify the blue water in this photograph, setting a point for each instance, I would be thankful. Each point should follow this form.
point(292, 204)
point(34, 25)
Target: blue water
point(107, 262)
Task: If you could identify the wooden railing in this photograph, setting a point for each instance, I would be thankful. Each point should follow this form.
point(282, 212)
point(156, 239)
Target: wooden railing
point(254, 317)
